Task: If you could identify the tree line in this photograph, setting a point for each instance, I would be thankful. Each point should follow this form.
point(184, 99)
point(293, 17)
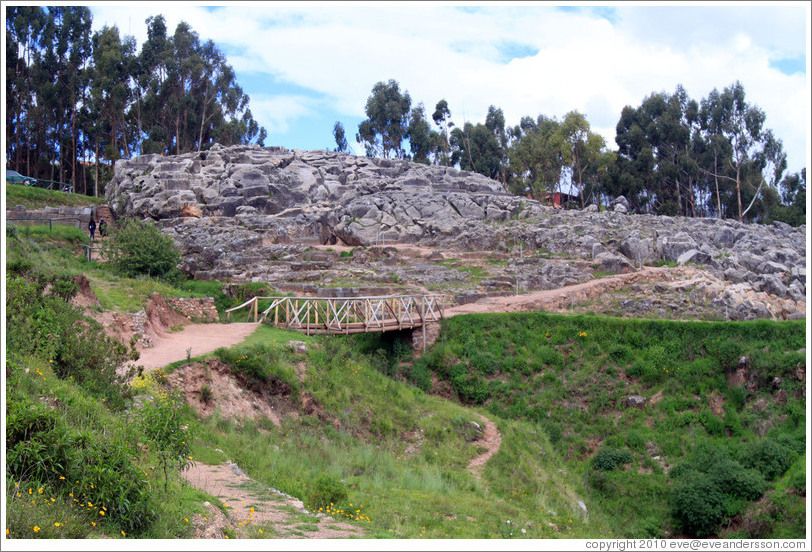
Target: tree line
point(76, 100)
point(675, 155)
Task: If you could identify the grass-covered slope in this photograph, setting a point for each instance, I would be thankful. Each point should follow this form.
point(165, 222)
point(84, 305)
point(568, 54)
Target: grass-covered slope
point(609, 428)
point(31, 197)
point(98, 463)
point(675, 427)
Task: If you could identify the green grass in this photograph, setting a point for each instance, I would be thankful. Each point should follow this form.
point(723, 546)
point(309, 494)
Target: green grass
point(65, 500)
point(570, 376)
point(36, 198)
point(402, 489)
point(395, 457)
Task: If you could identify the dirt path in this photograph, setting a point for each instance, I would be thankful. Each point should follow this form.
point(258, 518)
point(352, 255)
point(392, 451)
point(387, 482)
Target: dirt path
point(200, 338)
point(561, 298)
point(492, 440)
point(255, 511)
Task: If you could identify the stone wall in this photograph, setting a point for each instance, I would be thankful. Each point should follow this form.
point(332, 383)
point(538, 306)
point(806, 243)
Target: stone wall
point(197, 309)
point(72, 216)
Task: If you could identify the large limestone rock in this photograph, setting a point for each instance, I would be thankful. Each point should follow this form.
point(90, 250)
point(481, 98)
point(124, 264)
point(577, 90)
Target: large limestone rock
point(230, 208)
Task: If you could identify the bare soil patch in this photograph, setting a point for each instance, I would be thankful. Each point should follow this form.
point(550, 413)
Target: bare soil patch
point(229, 393)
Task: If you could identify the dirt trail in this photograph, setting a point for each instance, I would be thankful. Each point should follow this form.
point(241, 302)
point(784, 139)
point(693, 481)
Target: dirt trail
point(492, 440)
point(561, 298)
point(252, 508)
point(200, 338)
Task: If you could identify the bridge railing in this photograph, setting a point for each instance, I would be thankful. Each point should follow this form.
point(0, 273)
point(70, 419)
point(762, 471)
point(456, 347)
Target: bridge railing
point(330, 315)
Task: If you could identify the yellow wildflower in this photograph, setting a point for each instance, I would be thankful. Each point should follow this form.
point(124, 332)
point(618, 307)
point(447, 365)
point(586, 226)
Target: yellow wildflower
point(36, 528)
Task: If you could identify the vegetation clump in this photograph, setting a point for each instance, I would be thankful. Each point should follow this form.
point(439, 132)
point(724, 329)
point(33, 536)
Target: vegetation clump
point(139, 248)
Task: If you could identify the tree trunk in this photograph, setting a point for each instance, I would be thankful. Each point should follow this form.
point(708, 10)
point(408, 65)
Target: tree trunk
point(739, 189)
point(716, 180)
point(96, 183)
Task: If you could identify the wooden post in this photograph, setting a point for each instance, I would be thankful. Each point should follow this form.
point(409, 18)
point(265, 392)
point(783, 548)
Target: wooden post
point(423, 319)
point(256, 309)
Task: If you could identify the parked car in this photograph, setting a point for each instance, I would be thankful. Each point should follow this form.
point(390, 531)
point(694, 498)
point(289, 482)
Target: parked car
point(13, 177)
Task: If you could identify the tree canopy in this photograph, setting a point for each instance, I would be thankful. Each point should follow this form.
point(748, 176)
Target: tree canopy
point(675, 155)
point(75, 98)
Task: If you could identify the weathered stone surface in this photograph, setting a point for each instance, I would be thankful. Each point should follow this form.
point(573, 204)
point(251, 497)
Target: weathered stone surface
point(246, 212)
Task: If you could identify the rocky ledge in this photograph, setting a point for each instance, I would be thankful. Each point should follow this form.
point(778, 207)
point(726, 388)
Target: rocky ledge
point(247, 212)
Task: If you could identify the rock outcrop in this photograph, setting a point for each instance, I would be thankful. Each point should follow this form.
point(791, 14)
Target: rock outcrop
point(317, 195)
point(243, 212)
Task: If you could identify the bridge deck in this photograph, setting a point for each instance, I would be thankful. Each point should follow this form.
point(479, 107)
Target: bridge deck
point(347, 315)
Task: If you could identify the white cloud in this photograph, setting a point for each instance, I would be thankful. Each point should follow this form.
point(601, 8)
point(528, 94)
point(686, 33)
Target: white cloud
point(278, 112)
point(435, 51)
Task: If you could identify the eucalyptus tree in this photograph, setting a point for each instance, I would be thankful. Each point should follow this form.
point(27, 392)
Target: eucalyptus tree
point(111, 95)
point(69, 53)
point(422, 140)
point(742, 124)
point(477, 149)
point(386, 126)
point(583, 153)
point(537, 156)
point(442, 118)
point(495, 122)
point(340, 137)
point(24, 36)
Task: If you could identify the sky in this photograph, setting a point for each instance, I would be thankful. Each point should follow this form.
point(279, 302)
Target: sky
point(307, 65)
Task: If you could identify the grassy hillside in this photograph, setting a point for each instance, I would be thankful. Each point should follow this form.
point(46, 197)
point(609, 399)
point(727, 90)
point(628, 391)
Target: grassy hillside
point(657, 418)
point(36, 198)
point(716, 446)
point(78, 434)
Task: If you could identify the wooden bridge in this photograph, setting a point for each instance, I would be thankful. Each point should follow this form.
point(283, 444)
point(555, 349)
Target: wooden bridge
point(347, 315)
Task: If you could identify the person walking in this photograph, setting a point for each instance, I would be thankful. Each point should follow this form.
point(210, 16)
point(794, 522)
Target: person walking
point(102, 228)
point(91, 226)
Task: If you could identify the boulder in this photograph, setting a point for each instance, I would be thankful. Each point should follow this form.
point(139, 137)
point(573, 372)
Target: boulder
point(693, 256)
point(609, 262)
point(620, 204)
point(672, 246)
point(635, 401)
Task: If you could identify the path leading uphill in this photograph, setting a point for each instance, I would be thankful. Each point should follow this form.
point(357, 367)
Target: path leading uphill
point(561, 298)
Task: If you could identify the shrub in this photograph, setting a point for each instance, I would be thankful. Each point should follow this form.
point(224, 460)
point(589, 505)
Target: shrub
point(697, 504)
point(48, 327)
point(163, 422)
point(420, 375)
point(769, 458)
point(714, 425)
point(725, 350)
point(472, 388)
point(206, 394)
point(43, 448)
point(620, 353)
point(139, 248)
point(607, 458)
point(326, 490)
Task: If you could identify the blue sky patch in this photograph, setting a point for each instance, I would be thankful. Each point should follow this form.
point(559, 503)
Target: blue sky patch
point(790, 66)
point(507, 51)
point(274, 86)
point(606, 12)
